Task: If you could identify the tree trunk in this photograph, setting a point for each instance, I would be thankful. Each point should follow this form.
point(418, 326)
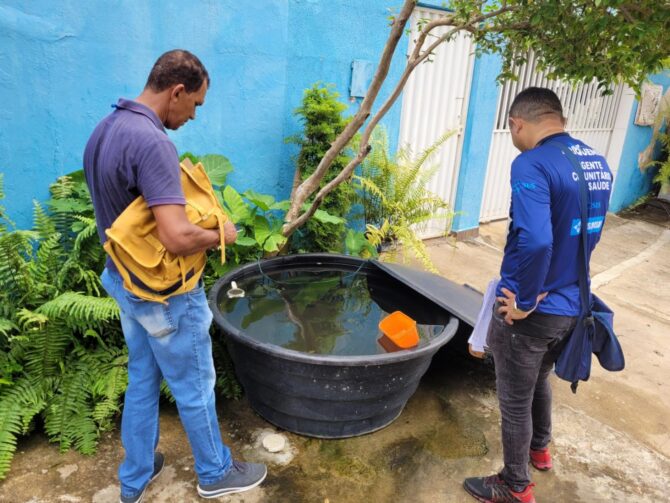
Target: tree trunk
point(302, 192)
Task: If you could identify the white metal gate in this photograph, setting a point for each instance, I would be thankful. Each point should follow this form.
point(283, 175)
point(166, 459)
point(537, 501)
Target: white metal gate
point(435, 101)
point(591, 118)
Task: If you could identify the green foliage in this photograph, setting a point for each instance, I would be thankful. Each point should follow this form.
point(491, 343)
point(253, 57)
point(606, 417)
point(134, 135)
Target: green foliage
point(322, 119)
point(217, 166)
point(62, 355)
point(606, 40)
point(59, 338)
point(394, 197)
point(660, 138)
point(189, 155)
point(663, 175)
point(20, 403)
point(259, 219)
point(356, 243)
point(4, 219)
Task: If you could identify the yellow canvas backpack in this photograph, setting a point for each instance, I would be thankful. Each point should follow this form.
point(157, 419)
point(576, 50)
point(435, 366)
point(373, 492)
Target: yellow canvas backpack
point(134, 247)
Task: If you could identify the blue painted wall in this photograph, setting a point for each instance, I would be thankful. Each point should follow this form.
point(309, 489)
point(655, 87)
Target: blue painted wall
point(322, 45)
point(631, 183)
point(62, 64)
point(477, 142)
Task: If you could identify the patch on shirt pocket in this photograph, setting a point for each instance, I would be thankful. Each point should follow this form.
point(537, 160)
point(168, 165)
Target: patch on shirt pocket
point(154, 317)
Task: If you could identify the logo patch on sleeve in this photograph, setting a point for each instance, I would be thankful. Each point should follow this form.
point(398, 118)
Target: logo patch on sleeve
point(594, 224)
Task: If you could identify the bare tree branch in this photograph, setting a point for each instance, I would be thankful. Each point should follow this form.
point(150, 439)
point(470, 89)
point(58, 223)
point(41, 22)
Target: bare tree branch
point(300, 194)
point(294, 219)
point(297, 175)
point(291, 226)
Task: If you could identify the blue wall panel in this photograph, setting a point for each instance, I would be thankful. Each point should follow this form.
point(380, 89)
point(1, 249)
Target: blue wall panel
point(324, 39)
point(62, 64)
point(631, 183)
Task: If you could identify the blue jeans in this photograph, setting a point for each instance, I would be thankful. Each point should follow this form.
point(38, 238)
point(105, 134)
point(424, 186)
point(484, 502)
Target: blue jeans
point(168, 341)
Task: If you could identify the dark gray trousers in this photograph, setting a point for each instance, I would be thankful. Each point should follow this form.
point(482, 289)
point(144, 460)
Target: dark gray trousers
point(524, 354)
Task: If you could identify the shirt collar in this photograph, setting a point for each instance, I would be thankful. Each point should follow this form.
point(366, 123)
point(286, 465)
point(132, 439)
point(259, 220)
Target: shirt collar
point(550, 137)
point(134, 106)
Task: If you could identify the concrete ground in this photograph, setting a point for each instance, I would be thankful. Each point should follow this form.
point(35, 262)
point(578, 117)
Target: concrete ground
point(611, 439)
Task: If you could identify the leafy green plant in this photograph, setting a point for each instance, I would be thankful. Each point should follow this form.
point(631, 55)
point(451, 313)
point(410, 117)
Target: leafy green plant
point(660, 135)
point(662, 177)
point(356, 243)
point(321, 115)
point(258, 219)
point(63, 361)
point(61, 352)
point(396, 203)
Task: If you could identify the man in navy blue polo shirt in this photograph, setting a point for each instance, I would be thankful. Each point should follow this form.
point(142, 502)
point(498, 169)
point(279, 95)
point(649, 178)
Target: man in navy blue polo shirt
point(129, 154)
point(538, 295)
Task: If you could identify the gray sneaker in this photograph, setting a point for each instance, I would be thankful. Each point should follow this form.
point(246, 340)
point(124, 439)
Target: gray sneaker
point(159, 463)
point(241, 477)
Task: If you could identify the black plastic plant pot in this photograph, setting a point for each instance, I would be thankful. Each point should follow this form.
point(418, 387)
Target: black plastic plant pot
point(331, 396)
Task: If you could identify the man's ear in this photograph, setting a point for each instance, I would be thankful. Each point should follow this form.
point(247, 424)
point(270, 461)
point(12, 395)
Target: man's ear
point(176, 91)
point(517, 123)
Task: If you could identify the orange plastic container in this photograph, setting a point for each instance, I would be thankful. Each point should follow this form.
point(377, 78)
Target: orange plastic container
point(400, 329)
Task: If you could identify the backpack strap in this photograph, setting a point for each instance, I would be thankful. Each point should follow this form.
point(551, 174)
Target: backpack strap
point(584, 290)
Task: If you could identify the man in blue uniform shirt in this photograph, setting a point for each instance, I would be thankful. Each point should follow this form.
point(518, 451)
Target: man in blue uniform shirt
point(538, 295)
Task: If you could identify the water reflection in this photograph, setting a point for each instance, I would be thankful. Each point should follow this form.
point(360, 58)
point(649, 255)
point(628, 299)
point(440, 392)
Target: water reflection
point(319, 312)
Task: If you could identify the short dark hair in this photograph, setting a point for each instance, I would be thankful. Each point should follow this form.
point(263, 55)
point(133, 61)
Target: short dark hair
point(177, 67)
point(534, 102)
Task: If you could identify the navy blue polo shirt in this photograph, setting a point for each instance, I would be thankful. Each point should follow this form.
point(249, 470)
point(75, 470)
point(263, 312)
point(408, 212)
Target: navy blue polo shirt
point(129, 154)
point(541, 254)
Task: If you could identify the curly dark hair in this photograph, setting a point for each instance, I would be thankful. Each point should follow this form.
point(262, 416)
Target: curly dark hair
point(177, 67)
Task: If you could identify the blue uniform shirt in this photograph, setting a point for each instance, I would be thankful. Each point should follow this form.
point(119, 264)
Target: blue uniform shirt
point(542, 250)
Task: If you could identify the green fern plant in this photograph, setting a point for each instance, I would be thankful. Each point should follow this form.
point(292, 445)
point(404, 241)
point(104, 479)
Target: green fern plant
point(396, 203)
point(63, 361)
point(61, 348)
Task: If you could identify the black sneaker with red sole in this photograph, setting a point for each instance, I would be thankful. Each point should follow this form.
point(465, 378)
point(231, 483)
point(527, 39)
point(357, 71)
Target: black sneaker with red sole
point(493, 489)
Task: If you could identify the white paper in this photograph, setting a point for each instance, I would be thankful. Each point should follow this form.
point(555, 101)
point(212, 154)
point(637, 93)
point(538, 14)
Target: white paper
point(477, 338)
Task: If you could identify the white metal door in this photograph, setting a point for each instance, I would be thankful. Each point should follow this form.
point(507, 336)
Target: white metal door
point(591, 118)
point(435, 101)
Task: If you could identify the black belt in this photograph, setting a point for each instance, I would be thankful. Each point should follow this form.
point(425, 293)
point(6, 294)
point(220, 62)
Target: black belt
point(168, 290)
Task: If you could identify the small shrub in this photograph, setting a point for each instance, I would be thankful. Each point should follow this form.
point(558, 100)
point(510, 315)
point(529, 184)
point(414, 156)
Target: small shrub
point(321, 115)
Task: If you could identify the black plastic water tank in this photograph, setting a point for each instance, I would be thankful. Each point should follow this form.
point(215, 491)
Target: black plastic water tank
point(330, 396)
